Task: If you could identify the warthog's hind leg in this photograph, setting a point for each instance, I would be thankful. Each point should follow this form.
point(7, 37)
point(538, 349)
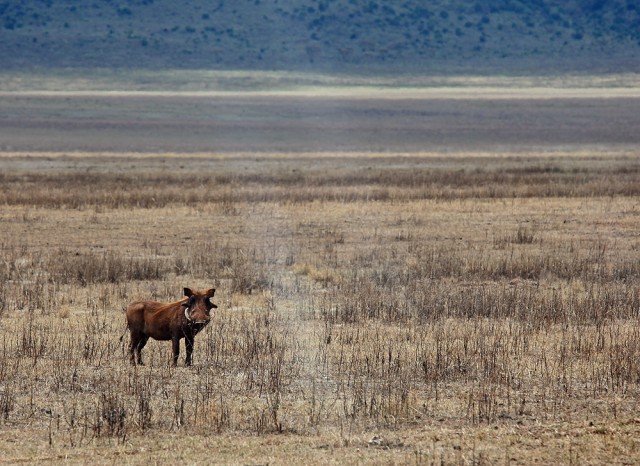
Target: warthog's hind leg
point(138, 340)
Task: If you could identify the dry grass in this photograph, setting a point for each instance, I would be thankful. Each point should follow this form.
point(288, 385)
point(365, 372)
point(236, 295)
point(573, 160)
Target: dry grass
point(391, 309)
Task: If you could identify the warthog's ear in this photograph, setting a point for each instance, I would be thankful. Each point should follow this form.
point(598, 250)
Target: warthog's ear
point(209, 295)
point(188, 292)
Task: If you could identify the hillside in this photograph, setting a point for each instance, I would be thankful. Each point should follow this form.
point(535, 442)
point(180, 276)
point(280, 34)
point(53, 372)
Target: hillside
point(327, 35)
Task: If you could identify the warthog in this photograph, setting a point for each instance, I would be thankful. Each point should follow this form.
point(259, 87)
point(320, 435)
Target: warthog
point(169, 321)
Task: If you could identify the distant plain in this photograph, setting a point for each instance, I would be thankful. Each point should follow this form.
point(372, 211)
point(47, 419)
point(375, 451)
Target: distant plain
point(226, 112)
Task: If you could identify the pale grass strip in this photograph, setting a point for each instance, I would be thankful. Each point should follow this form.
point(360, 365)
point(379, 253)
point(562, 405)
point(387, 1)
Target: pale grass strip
point(541, 154)
point(363, 92)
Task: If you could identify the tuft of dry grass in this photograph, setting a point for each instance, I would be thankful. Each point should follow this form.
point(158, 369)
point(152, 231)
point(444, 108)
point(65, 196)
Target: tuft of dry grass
point(467, 310)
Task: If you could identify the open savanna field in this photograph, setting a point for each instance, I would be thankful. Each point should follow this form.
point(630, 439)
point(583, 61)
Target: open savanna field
point(439, 281)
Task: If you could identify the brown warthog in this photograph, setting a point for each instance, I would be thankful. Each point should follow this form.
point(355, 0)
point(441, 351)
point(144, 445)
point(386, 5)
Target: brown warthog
point(169, 321)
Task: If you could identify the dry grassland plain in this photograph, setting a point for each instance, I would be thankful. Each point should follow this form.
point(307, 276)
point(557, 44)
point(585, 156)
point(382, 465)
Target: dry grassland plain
point(400, 280)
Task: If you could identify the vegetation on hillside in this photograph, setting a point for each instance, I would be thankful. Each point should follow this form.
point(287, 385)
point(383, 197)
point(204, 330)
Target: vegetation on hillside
point(326, 34)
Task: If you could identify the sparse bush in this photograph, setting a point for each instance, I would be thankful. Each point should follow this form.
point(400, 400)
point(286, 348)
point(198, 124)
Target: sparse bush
point(124, 11)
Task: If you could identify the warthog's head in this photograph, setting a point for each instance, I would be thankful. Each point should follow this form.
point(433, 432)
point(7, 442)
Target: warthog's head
point(198, 307)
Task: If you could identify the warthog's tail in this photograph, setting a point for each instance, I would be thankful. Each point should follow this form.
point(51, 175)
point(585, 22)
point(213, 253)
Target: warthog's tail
point(126, 326)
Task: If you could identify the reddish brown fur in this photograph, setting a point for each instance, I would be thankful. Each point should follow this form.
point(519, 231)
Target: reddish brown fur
point(168, 321)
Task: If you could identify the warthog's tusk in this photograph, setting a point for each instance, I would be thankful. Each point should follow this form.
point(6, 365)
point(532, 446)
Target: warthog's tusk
point(186, 314)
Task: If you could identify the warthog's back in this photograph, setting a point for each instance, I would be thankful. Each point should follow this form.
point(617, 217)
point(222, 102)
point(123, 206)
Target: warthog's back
point(152, 318)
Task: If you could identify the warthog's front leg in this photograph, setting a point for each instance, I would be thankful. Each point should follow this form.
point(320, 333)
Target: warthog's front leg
point(188, 342)
point(176, 350)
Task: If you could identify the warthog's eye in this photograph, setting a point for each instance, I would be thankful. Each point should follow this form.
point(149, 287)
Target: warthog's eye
point(189, 303)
